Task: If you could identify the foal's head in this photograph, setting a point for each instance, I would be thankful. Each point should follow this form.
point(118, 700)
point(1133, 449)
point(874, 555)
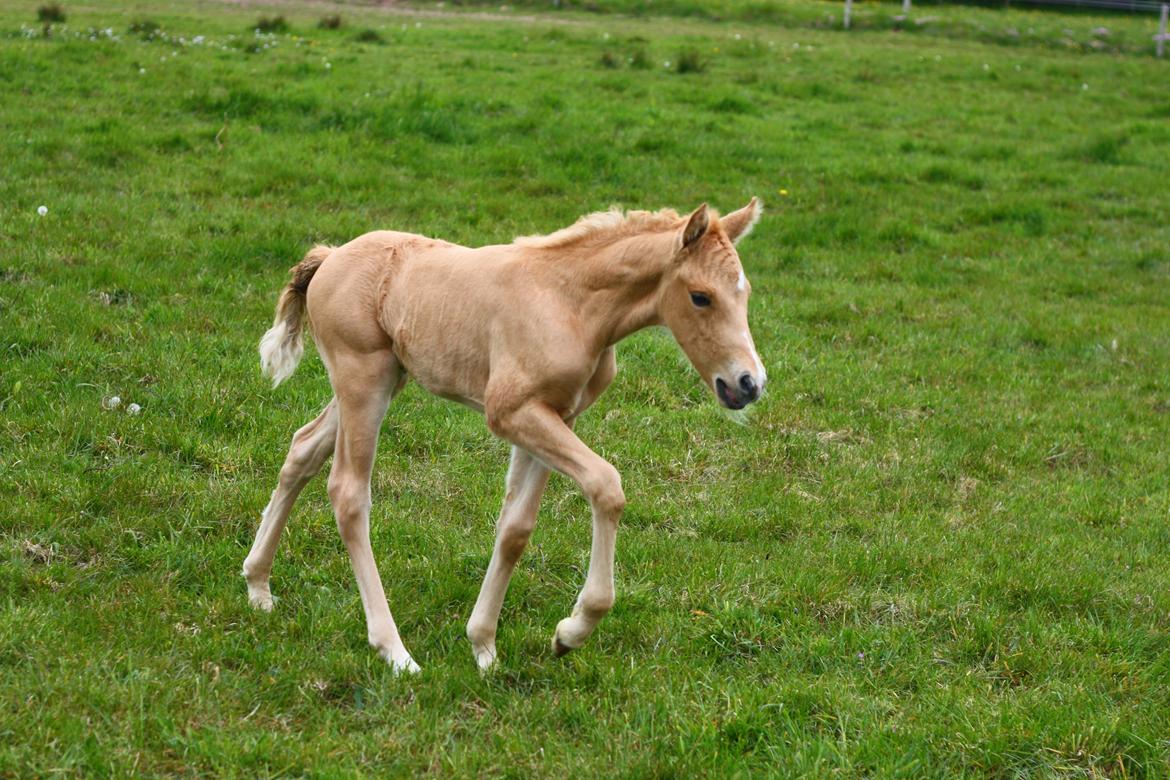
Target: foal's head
point(703, 299)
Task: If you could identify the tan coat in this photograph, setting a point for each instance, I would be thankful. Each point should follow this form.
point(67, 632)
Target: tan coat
point(524, 332)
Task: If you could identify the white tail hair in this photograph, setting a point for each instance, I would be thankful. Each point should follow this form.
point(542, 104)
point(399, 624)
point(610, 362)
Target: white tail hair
point(282, 345)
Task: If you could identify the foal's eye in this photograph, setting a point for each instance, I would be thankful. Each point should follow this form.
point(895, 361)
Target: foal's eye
point(700, 300)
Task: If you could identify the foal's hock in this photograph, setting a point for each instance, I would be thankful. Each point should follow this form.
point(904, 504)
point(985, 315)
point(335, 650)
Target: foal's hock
point(523, 332)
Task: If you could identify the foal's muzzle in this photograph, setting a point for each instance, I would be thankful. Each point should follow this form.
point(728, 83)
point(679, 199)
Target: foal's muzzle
point(739, 397)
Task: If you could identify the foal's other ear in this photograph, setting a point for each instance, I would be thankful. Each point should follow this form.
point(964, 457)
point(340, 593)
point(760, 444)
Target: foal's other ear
point(697, 225)
point(738, 224)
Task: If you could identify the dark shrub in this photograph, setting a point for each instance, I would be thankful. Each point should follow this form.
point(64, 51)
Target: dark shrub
point(272, 24)
point(145, 28)
point(689, 61)
point(369, 36)
point(51, 13)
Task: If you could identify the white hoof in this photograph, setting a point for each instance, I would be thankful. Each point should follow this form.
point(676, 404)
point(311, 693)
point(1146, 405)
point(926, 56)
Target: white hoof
point(485, 657)
point(260, 597)
point(403, 665)
point(561, 643)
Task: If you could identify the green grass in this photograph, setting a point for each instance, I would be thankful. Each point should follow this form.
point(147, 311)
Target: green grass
point(939, 547)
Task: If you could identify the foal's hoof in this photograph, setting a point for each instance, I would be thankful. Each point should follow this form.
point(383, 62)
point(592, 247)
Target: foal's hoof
point(403, 666)
point(262, 602)
point(260, 597)
point(564, 629)
point(485, 658)
point(560, 648)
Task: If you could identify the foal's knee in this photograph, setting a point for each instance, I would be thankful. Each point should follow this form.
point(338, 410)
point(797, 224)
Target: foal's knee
point(605, 492)
point(351, 505)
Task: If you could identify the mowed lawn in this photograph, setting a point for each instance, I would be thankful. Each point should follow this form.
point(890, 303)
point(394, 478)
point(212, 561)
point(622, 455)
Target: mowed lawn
point(938, 546)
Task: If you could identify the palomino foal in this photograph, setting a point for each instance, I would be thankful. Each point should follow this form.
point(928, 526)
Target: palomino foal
point(523, 332)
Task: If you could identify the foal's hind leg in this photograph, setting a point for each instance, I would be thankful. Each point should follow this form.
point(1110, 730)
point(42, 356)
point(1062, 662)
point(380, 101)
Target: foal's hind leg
point(365, 384)
point(311, 446)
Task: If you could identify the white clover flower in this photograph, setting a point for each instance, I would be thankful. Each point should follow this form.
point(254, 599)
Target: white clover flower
point(133, 409)
point(113, 402)
point(42, 210)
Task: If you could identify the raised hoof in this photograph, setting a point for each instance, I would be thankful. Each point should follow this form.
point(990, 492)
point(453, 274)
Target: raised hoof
point(560, 649)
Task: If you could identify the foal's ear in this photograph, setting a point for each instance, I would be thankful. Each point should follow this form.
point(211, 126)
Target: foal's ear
point(738, 224)
point(697, 225)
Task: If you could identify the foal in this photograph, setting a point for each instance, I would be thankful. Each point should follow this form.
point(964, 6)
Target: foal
point(524, 333)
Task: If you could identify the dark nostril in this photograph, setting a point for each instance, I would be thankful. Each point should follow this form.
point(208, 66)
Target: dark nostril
point(748, 385)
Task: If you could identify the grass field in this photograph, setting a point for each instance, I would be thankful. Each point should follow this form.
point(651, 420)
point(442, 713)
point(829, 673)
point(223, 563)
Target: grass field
point(939, 546)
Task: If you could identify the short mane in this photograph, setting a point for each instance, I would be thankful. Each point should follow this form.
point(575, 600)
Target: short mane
point(605, 226)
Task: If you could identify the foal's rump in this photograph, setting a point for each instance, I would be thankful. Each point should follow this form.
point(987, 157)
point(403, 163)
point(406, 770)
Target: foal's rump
point(349, 286)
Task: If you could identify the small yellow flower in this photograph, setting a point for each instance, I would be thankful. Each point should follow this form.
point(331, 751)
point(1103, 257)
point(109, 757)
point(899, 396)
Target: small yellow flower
point(784, 193)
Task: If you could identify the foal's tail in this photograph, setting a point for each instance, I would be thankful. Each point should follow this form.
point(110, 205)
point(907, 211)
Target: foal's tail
point(282, 346)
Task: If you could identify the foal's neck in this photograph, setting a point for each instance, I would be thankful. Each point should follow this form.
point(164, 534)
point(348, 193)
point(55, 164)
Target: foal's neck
point(616, 285)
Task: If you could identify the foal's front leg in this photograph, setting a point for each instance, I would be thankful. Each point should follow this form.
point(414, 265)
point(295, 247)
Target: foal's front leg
point(537, 428)
point(527, 478)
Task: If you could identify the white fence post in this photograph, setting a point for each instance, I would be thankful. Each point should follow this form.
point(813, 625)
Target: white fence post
point(1160, 46)
point(906, 8)
point(848, 12)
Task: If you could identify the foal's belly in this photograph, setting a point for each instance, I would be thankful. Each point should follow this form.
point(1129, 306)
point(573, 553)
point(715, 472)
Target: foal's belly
point(445, 365)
